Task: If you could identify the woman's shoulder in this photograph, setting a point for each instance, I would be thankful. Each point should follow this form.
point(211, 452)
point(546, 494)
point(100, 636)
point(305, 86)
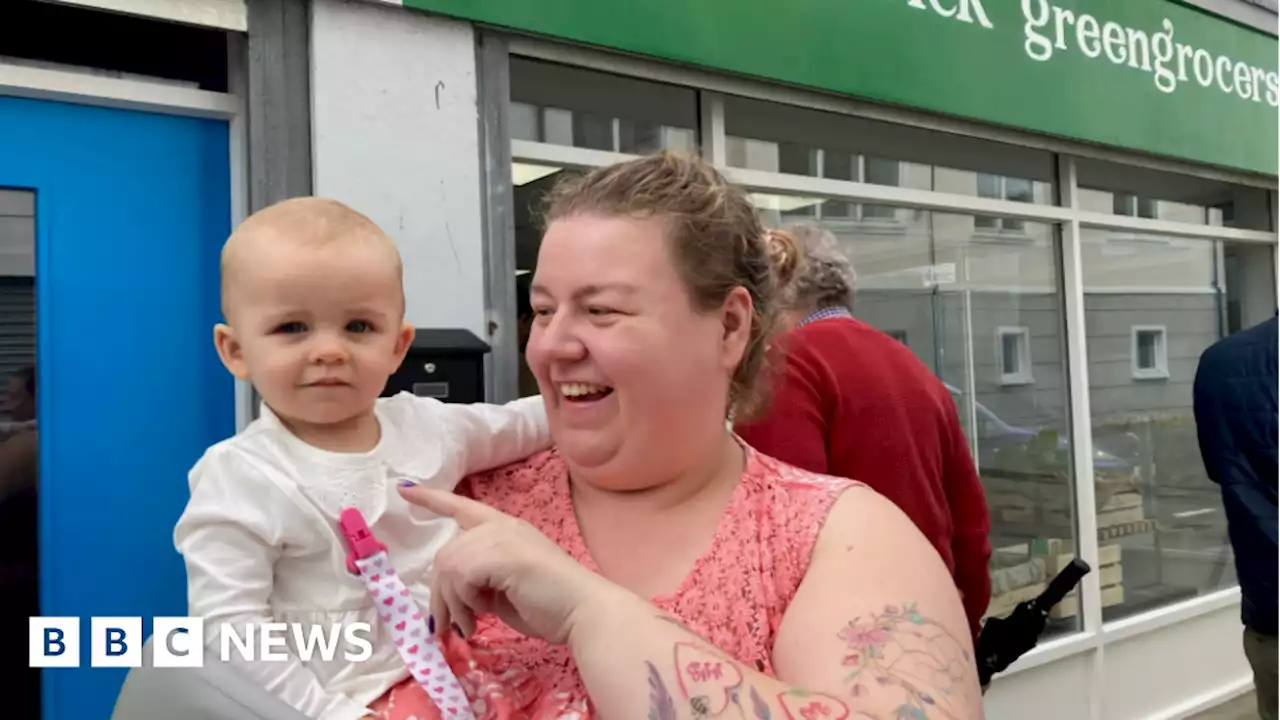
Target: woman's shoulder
point(779, 478)
point(791, 504)
point(518, 485)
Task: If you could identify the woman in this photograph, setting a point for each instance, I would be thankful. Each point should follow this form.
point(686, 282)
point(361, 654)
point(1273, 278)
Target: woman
point(852, 402)
point(652, 565)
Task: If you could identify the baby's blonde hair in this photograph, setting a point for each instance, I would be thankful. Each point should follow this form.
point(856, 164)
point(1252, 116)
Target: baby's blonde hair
point(310, 221)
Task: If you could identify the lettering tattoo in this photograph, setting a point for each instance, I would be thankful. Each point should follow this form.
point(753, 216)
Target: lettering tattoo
point(709, 685)
point(897, 650)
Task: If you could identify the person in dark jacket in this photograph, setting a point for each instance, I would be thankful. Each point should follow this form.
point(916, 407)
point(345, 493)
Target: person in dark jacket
point(1236, 421)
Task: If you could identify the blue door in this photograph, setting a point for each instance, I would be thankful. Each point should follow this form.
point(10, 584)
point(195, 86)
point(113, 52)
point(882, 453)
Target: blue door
point(131, 209)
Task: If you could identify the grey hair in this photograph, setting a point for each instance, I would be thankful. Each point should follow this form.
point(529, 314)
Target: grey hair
point(824, 276)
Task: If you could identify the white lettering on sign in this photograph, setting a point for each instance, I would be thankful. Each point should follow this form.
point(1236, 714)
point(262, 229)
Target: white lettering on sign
point(962, 10)
point(1050, 28)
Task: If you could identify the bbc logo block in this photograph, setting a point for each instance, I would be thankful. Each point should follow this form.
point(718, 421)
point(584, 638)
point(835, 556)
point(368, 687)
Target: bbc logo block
point(178, 643)
point(55, 642)
point(116, 641)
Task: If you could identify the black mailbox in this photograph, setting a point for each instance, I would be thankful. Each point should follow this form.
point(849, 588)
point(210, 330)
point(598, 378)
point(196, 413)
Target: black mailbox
point(443, 363)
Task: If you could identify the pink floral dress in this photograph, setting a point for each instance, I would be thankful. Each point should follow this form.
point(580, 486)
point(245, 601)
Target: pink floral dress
point(735, 597)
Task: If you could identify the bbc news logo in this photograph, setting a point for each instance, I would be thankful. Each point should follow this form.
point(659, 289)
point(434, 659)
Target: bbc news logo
point(179, 642)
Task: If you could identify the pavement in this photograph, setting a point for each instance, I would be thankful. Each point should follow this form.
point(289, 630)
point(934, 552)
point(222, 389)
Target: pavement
point(1242, 708)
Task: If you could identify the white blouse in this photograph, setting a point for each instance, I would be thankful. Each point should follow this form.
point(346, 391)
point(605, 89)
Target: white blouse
point(261, 543)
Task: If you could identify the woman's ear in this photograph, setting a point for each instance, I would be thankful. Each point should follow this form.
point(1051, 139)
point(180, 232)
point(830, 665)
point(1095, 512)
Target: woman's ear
point(229, 351)
point(737, 315)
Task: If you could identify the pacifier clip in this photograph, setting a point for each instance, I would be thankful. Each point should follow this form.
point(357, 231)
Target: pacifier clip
point(414, 641)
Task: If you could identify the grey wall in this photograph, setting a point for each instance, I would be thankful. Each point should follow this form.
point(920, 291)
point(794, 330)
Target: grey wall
point(1192, 323)
point(1191, 320)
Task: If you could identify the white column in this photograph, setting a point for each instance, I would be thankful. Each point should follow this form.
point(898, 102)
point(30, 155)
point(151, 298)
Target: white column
point(395, 134)
point(1090, 589)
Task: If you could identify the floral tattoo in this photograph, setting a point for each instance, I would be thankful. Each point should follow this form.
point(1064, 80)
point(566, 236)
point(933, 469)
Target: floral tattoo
point(901, 648)
point(897, 650)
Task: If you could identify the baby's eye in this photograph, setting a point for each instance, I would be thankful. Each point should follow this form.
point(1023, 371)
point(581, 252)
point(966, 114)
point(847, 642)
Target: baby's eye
point(291, 327)
point(359, 326)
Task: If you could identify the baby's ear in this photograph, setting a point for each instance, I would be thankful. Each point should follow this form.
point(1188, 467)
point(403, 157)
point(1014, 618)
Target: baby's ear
point(224, 339)
point(404, 339)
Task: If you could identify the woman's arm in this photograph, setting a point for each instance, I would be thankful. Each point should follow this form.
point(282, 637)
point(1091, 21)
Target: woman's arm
point(876, 630)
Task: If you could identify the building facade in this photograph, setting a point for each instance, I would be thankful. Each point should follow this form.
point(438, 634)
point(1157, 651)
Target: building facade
point(1056, 206)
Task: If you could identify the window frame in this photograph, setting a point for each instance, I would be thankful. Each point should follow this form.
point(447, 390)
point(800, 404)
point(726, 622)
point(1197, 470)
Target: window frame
point(1024, 374)
point(1161, 369)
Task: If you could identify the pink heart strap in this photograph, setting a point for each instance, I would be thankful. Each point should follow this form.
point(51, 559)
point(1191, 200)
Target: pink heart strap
point(414, 641)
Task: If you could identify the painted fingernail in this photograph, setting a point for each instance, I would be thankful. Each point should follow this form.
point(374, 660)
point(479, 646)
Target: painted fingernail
point(458, 629)
point(431, 624)
point(407, 483)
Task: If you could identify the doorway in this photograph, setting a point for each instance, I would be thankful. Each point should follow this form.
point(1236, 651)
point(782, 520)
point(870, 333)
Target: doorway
point(128, 212)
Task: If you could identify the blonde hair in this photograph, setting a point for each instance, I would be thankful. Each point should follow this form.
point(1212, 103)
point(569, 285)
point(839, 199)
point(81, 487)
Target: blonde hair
point(714, 233)
point(313, 221)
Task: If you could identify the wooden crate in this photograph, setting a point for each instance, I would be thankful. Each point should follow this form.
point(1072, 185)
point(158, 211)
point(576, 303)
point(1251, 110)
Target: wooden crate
point(1110, 573)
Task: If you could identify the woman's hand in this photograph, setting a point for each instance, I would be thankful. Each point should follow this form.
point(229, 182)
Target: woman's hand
point(505, 566)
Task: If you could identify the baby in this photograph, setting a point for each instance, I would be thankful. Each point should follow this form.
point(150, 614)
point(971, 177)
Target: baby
point(314, 306)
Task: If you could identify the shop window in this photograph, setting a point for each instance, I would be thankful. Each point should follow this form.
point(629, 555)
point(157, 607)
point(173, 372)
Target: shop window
point(19, 441)
point(777, 138)
point(1150, 352)
point(1014, 349)
point(1153, 305)
point(1115, 189)
point(581, 108)
point(1133, 206)
point(999, 187)
point(959, 294)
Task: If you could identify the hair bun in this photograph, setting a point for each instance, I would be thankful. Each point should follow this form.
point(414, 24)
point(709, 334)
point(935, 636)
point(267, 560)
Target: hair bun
point(784, 253)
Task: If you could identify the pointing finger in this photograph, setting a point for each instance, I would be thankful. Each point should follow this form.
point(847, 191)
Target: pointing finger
point(466, 511)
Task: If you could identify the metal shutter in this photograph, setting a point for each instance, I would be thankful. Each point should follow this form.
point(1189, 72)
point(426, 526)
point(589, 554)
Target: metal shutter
point(17, 329)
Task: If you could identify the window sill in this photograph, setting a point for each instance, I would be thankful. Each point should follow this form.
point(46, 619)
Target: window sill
point(1016, 380)
point(1150, 374)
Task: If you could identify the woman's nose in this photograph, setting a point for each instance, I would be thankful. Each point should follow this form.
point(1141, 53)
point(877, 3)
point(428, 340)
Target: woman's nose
point(557, 340)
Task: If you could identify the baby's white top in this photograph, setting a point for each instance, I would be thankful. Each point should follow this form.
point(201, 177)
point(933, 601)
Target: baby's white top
point(261, 543)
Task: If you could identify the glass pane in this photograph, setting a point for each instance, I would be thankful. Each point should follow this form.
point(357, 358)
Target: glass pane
point(530, 185)
point(522, 120)
point(19, 569)
point(1162, 530)
point(599, 111)
point(949, 288)
point(1009, 354)
point(1138, 192)
point(762, 136)
point(989, 186)
point(593, 131)
point(1019, 190)
point(1146, 350)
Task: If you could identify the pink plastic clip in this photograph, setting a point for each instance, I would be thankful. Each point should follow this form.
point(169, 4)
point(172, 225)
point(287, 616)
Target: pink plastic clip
point(359, 538)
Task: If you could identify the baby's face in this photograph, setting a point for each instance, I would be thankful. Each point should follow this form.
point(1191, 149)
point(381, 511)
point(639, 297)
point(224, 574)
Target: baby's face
point(317, 329)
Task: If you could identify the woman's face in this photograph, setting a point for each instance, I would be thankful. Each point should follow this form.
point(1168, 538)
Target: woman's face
point(635, 380)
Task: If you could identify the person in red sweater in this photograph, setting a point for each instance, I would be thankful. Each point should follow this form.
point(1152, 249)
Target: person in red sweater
point(850, 401)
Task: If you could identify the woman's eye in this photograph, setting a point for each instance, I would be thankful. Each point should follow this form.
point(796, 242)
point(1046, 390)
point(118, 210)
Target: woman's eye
point(543, 312)
point(600, 311)
point(359, 326)
point(291, 327)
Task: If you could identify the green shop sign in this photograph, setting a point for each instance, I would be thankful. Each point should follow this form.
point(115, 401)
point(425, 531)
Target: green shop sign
point(1150, 75)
